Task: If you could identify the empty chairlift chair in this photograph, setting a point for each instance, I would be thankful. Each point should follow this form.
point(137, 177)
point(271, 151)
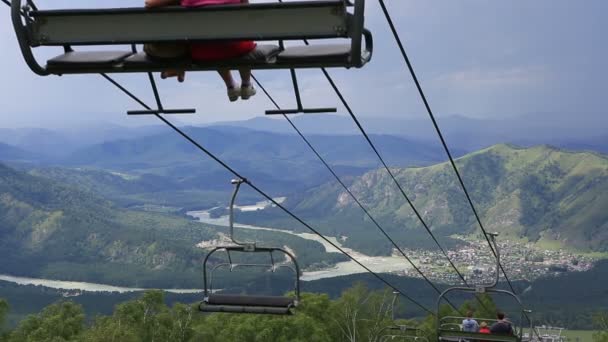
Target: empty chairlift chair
point(248, 303)
point(400, 333)
point(448, 328)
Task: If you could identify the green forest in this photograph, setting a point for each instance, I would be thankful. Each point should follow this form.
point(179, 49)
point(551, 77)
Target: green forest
point(358, 314)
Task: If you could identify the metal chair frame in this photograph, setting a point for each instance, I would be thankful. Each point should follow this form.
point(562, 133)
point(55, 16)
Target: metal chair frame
point(247, 247)
point(269, 22)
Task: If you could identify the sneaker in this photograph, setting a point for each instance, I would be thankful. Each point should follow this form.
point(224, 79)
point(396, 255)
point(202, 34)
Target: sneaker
point(234, 93)
point(247, 91)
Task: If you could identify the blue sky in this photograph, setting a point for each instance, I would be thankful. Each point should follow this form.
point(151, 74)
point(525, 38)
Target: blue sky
point(477, 58)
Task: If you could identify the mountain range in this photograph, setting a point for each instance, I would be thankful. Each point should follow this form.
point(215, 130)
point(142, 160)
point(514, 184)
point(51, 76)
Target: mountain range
point(537, 194)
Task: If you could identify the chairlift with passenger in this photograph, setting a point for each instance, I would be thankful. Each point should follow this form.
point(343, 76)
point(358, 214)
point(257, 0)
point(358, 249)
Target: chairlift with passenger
point(448, 328)
point(295, 20)
point(298, 20)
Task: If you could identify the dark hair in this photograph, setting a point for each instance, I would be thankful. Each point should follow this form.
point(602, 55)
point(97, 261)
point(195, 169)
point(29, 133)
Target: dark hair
point(470, 313)
point(500, 315)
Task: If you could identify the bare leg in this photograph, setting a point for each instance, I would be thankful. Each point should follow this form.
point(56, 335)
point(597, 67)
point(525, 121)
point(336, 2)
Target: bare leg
point(180, 74)
point(247, 89)
point(233, 91)
point(226, 75)
point(245, 76)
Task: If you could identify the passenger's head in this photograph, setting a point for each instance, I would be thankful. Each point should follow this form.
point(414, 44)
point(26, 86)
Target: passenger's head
point(500, 315)
point(470, 314)
point(483, 325)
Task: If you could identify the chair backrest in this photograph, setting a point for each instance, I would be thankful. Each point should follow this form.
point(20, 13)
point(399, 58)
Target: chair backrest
point(263, 21)
point(249, 303)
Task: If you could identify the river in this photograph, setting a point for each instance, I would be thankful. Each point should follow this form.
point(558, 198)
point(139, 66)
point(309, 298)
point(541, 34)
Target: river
point(82, 286)
point(382, 264)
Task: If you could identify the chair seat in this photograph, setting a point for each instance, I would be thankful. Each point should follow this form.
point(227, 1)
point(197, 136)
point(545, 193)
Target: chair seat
point(455, 335)
point(92, 59)
point(259, 301)
point(320, 53)
point(245, 309)
point(262, 54)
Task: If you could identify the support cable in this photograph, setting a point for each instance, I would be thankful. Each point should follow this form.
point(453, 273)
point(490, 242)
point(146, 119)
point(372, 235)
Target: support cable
point(371, 144)
point(388, 170)
point(439, 133)
point(262, 193)
point(438, 130)
point(352, 195)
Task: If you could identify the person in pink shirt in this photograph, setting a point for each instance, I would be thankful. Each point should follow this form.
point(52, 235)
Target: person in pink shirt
point(208, 52)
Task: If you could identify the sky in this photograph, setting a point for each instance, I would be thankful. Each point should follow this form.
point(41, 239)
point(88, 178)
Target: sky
point(475, 58)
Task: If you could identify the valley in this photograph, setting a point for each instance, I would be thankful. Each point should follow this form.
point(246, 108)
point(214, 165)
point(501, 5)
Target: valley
point(118, 217)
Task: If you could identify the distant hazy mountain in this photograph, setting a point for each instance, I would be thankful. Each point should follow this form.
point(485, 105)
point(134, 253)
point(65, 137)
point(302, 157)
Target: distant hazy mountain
point(567, 130)
point(535, 193)
point(51, 143)
point(276, 161)
point(12, 153)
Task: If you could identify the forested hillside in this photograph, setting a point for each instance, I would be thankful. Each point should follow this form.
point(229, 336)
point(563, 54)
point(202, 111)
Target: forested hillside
point(358, 314)
point(50, 230)
point(540, 194)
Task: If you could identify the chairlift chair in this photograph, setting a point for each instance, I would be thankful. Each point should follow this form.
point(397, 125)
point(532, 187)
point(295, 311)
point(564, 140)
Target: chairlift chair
point(402, 333)
point(449, 330)
point(256, 304)
point(318, 20)
point(399, 333)
point(306, 20)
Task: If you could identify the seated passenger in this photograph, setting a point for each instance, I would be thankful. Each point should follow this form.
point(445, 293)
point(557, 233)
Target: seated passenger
point(502, 326)
point(213, 51)
point(469, 324)
point(483, 328)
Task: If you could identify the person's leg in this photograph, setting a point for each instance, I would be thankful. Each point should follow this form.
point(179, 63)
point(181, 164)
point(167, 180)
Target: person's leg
point(226, 76)
point(245, 76)
point(168, 52)
point(233, 91)
point(247, 89)
point(180, 74)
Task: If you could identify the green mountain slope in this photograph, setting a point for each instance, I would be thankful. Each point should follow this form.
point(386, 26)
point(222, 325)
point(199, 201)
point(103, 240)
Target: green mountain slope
point(54, 231)
point(540, 193)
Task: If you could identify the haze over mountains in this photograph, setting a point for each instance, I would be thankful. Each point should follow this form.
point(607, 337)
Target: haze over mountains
point(566, 130)
point(464, 134)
